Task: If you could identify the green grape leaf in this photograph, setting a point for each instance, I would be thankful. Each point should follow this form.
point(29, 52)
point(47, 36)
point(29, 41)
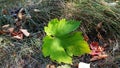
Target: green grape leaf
point(52, 47)
point(75, 44)
point(62, 27)
point(61, 44)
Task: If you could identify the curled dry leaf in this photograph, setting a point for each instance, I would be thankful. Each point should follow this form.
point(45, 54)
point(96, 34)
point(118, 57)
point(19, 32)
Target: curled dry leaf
point(5, 26)
point(25, 32)
point(17, 35)
point(20, 36)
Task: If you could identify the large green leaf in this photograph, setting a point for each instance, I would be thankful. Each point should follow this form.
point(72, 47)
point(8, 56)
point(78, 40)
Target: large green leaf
point(61, 43)
point(75, 44)
point(52, 47)
point(62, 27)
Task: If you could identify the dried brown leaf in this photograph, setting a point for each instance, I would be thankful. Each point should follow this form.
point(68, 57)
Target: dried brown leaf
point(25, 32)
point(20, 36)
point(17, 35)
point(5, 26)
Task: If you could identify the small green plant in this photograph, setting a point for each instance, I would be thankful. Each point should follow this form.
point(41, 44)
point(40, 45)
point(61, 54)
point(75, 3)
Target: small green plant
point(61, 43)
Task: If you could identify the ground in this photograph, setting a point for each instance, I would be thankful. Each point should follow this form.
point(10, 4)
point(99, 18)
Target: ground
point(100, 23)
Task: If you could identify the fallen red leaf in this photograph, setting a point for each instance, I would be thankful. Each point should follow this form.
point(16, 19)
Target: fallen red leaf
point(94, 45)
point(17, 35)
point(94, 53)
point(97, 51)
point(20, 36)
point(94, 58)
